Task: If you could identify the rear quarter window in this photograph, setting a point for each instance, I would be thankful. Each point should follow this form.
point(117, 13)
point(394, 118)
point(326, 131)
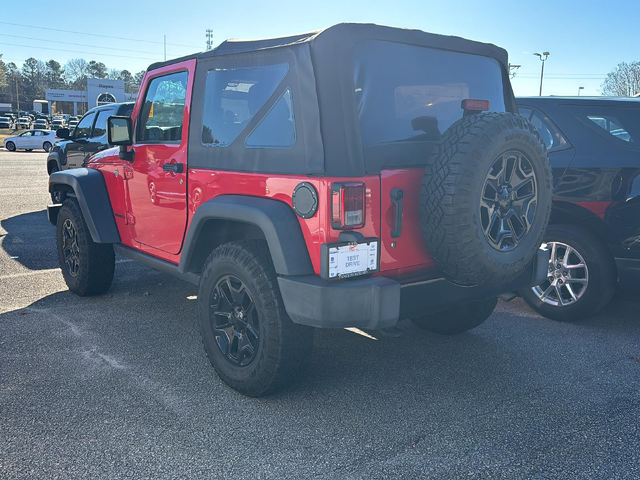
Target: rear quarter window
point(619, 125)
point(233, 96)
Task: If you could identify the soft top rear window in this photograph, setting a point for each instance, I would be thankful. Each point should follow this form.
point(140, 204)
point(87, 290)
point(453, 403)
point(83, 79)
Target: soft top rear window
point(407, 94)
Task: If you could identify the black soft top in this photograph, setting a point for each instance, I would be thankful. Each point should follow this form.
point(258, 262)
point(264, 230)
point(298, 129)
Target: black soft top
point(349, 33)
point(321, 79)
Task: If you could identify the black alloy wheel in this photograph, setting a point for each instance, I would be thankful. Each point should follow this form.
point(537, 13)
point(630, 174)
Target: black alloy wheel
point(234, 321)
point(87, 266)
point(70, 249)
point(509, 200)
point(250, 340)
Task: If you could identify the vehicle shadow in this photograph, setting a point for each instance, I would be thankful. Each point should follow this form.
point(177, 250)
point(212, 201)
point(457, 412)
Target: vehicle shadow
point(30, 240)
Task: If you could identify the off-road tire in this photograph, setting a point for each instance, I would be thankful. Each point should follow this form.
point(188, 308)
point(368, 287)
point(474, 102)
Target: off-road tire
point(97, 260)
point(46, 146)
point(11, 146)
point(603, 275)
point(457, 320)
point(451, 193)
point(284, 347)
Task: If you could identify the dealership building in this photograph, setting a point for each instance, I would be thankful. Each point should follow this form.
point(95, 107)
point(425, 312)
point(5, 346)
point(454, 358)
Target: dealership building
point(99, 91)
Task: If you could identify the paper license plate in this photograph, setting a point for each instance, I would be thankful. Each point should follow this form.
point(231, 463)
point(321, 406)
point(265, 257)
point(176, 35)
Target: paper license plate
point(354, 259)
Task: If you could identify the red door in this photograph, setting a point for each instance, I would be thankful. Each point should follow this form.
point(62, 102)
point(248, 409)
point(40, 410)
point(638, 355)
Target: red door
point(157, 190)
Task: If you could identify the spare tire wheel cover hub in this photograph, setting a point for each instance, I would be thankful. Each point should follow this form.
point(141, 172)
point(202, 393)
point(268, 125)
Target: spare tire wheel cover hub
point(508, 201)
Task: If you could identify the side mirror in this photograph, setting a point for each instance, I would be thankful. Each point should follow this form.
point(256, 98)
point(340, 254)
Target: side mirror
point(63, 133)
point(119, 131)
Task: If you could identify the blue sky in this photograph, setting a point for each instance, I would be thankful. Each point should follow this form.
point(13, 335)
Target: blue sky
point(586, 38)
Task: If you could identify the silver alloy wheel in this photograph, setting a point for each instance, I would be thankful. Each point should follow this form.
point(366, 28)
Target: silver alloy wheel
point(567, 279)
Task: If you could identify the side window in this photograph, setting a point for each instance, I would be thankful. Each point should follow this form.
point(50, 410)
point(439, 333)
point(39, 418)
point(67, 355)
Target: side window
point(83, 130)
point(37, 133)
point(26, 134)
point(619, 125)
point(551, 136)
point(100, 128)
point(611, 125)
point(163, 109)
point(277, 129)
point(233, 97)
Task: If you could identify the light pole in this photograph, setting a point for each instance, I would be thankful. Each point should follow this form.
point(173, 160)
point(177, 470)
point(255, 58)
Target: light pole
point(18, 97)
point(543, 57)
point(580, 88)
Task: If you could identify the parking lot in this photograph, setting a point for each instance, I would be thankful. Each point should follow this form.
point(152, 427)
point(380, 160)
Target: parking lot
point(119, 385)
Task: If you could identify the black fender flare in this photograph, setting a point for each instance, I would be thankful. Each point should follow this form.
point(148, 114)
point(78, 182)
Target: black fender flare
point(53, 157)
point(91, 192)
point(274, 218)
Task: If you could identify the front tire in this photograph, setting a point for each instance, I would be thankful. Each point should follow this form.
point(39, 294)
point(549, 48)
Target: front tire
point(457, 320)
point(250, 340)
point(11, 146)
point(87, 267)
point(582, 276)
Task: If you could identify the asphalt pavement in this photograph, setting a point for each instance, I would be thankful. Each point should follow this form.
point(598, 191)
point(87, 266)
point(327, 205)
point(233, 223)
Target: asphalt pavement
point(118, 386)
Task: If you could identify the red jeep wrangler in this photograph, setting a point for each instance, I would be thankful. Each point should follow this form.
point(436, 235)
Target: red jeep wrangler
point(351, 177)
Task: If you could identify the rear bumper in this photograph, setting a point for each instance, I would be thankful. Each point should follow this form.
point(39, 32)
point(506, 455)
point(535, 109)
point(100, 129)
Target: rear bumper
point(380, 302)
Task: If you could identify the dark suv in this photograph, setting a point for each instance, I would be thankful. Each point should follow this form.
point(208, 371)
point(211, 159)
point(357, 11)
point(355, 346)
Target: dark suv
point(351, 177)
point(89, 137)
point(594, 236)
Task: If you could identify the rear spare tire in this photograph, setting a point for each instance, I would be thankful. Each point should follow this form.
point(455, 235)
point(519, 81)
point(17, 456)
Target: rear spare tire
point(485, 199)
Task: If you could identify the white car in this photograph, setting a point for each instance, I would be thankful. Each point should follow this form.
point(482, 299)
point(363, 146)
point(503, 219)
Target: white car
point(30, 140)
point(24, 122)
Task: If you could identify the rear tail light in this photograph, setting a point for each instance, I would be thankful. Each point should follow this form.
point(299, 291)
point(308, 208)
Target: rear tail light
point(347, 205)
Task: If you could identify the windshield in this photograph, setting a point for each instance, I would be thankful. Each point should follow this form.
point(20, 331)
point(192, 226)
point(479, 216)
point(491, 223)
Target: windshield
point(410, 93)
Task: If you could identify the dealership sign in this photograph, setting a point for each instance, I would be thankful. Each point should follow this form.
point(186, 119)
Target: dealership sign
point(101, 91)
point(65, 95)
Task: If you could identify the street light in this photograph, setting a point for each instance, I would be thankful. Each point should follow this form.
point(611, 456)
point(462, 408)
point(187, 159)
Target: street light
point(580, 88)
point(543, 57)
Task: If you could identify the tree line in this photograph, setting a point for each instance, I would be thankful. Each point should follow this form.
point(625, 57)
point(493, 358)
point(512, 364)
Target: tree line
point(36, 76)
point(623, 81)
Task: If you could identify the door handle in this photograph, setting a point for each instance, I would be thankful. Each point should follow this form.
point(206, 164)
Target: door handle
point(173, 167)
point(397, 194)
point(81, 149)
point(102, 147)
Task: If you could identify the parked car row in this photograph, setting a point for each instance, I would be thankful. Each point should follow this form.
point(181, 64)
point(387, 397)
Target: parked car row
point(27, 120)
